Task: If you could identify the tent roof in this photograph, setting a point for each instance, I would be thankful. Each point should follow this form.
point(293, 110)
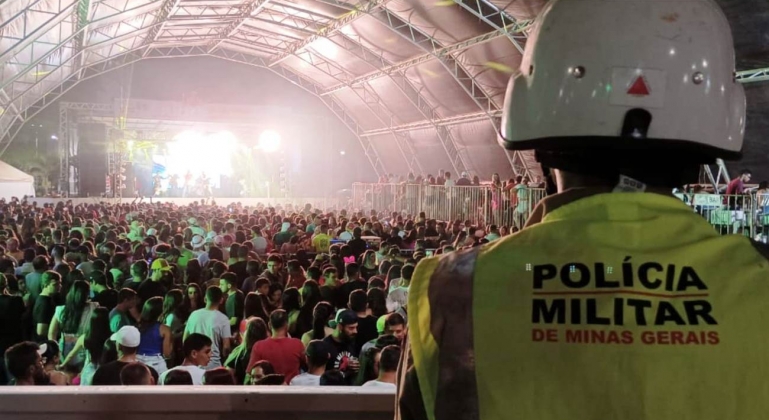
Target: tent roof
point(10, 174)
point(426, 76)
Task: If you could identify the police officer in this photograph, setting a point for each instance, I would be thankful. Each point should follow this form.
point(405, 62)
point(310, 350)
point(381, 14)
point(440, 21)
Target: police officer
point(616, 301)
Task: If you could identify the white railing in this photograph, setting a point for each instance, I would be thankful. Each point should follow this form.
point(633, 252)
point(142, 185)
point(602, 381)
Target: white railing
point(198, 403)
point(484, 203)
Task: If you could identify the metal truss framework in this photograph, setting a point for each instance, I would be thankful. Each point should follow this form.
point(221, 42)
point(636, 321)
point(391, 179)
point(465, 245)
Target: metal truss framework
point(75, 49)
point(752, 76)
point(329, 29)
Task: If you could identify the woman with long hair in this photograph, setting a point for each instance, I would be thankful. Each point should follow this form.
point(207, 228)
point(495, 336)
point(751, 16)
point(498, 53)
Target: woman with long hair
point(193, 274)
point(256, 330)
point(377, 302)
point(70, 321)
point(97, 333)
point(368, 267)
point(253, 306)
point(156, 342)
point(310, 297)
point(292, 303)
point(322, 313)
point(174, 316)
point(369, 366)
point(393, 278)
point(193, 299)
point(174, 312)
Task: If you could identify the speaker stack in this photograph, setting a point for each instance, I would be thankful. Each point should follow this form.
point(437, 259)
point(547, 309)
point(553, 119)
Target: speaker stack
point(92, 159)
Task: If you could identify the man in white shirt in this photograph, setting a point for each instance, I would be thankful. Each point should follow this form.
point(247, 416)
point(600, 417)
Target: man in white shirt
point(388, 368)
point(317, 358)
point(197, 353)
point(215, 325)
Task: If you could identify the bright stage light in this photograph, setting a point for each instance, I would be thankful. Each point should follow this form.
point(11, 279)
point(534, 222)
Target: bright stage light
point(269, 141)
point(130, 144)
point(342, 152)
point(189, 136)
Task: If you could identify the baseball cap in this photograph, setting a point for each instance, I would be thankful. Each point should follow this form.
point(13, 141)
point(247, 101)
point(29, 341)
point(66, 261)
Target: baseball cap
point(344, 317)
point(48, 349)
point(381, 324)
point(152, 232)
point(161, 264)
point(127, 336)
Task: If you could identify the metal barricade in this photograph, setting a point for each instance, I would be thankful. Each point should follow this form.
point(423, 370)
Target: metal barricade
point(728, 214)
point(484, 204)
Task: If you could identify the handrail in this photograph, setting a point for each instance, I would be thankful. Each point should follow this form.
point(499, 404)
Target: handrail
point(202, 402)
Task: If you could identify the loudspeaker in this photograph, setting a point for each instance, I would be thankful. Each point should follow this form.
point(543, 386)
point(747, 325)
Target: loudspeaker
point(92, 159)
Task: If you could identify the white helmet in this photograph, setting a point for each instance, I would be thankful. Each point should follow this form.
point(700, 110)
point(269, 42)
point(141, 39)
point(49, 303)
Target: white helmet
point(627, 74)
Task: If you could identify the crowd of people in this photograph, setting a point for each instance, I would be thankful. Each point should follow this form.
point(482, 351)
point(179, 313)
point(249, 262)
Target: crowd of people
point(102, 294)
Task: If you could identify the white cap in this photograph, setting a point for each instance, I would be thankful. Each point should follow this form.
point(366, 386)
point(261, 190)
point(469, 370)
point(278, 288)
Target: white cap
point(127, 336)
point(666, 66)
point(192, 221)
point(197, 241)
point(152, 232)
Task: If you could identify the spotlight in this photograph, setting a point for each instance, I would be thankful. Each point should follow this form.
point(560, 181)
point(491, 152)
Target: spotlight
point(269, 141)
point(130, 144)
point(342, 152)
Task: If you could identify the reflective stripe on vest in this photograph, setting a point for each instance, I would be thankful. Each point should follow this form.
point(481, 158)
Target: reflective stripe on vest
point(616, 306)
point(444, 319)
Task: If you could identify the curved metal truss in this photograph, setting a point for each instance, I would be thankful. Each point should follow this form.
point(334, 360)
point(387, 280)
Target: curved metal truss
point(75, 40)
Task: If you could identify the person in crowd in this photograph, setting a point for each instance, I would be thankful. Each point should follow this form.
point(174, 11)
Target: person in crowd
point(317, 359)
point(388, 368)
point(35, 278)
point(178, 377)
point(292, 303)
point(286, 354)
point(174, 314)
point(94, 340)
point(24, 362)
point(127, 341)
point(369, 366)
point(256, 331)
point(103, 295)
point(611, 207)
point(259, 371)
point(392, 325)
point(235, 300)
point(45, 303)
point(310, 294)
point(136, 373)
point(211, 322)
point(123, 313)
point(341, 344)
point(156, 343)
point(194, 298)
point(218, 376)
point(366, 323)
point(197, 356)
point(322, 316)
point(333, 378)
point(52, 364)
point(71, 320)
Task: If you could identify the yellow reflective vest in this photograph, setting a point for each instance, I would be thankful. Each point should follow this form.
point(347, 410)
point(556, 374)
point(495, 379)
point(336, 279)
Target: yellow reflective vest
point(616, 306)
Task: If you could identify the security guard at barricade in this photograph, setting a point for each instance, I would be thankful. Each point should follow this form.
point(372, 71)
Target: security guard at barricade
point(616, 301)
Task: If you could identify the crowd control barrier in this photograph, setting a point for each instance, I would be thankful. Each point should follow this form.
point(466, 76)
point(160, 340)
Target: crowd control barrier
point(197, 403)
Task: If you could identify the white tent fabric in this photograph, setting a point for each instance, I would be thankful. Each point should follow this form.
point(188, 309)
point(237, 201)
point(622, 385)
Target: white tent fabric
point(15, 183)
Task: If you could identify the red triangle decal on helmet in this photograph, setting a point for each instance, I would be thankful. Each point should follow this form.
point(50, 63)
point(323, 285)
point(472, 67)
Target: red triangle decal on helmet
point(639, 87)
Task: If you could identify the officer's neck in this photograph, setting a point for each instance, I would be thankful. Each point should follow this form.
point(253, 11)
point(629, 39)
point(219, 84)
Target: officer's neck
point(566, 181)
